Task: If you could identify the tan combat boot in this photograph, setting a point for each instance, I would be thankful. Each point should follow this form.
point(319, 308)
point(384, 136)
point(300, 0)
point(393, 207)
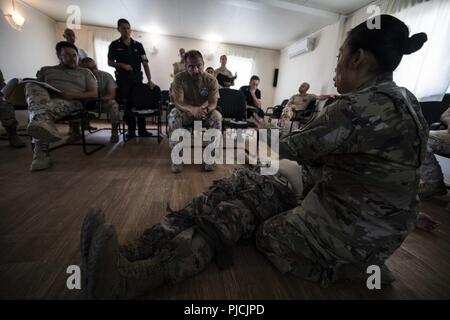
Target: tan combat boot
point(93, 220)
point(112, 276)
point(44, 131)
point(41, 158)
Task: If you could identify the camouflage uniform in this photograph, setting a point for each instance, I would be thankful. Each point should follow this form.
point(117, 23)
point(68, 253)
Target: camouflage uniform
point(296, 102)
point(178, 119)
point(112, 108)
point(369, 145)
point(105, 82)
point(43, 108)
point(211, 224)
point(196, 93)
point(438, 142)
point(7, 114)
point(366, 148)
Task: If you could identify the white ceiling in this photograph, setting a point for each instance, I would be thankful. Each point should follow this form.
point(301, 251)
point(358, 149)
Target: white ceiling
point(272, 24)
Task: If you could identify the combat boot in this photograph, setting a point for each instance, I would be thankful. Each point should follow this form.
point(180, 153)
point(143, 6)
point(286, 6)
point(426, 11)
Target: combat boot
point(93, 220)
point(14, 139)
point(112, 276)
point(41, 158)
point(44, 131)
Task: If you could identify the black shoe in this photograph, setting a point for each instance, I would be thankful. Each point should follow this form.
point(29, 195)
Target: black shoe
point(130, 135)
point(145, 134)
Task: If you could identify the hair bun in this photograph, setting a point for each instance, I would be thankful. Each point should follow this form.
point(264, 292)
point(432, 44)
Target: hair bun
point(415, 42)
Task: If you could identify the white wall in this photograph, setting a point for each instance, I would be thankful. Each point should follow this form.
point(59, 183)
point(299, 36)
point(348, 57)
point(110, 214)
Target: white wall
point(161, 62)
point(315, 67)
point(23, 52)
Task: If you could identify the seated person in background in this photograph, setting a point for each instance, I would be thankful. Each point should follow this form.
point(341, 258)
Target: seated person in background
point(77, 85)
point(298, 102)
point(107, 94)
point(224, 71)
point(210, 70)
point(195, 95)
point(253, 97)
point(8, 118)
point(432, 180)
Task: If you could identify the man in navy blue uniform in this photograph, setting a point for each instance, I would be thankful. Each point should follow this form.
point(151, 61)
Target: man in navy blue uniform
point(127, 55)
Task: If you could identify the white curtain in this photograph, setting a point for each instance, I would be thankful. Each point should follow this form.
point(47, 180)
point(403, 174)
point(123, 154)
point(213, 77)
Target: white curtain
point(102, 39)
point(240, 61)
point(426, 72)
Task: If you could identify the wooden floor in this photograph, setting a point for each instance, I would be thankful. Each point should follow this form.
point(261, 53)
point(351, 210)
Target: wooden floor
point(41, 214)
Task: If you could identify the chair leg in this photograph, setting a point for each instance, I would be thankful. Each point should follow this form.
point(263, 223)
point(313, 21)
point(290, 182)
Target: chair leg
point(124, 132)
point(97, 146)
point(159, 128)
point(167, 123)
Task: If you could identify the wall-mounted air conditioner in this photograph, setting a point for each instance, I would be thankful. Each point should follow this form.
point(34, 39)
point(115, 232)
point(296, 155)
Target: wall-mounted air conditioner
point(299, 47)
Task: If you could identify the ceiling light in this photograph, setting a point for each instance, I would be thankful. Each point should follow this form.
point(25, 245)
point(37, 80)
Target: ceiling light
point(15, 19)
point(213, 38)
point(154, 30)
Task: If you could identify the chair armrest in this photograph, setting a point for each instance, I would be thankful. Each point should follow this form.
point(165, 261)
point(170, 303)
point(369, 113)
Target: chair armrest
point(438, 126)
point(267, 113)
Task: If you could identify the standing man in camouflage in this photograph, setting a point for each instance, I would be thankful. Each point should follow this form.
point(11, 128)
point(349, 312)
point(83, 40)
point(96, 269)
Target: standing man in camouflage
point(432, 183)
point(107, 95)
point(370, 143)
point(70, 37)
point(179, 66)
point(195, 95)
point(76, 85)
point(8, 119)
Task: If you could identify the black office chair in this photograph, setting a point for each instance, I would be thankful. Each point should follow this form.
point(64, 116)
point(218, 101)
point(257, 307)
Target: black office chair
point(145, 103)
point(13, 93)
point(432, 110)
point(233, 107)
point(274, 113)
point(303, 116)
